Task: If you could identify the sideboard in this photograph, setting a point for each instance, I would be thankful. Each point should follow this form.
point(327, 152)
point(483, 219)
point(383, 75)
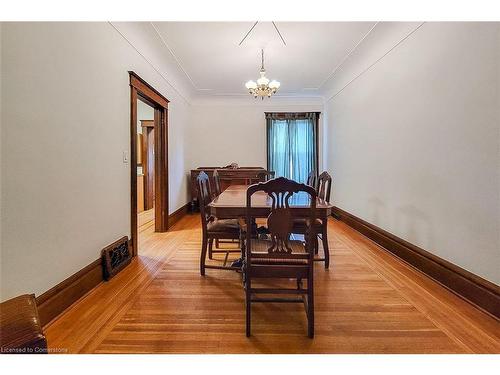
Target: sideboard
point(228, 176)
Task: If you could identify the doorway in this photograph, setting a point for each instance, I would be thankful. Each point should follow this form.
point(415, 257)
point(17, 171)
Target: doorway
point(145, 165)
point(148, 159)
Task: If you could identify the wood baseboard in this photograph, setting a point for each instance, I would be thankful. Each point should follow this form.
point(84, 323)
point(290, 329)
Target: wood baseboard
point(53, 302)
point(178, 214)
point(57, 299)
point(472, 288)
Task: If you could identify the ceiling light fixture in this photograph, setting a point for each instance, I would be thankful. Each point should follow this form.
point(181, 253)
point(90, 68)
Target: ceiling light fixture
point(262, 87)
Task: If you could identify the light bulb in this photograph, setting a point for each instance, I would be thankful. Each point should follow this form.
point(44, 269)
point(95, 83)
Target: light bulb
point(263, 81)
point(274, 84)
point(250, 85)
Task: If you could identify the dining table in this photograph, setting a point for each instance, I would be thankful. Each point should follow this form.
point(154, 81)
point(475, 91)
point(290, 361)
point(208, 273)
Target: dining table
point(232, 204)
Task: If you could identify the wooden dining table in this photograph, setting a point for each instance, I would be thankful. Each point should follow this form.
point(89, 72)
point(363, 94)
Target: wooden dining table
point(232, 204)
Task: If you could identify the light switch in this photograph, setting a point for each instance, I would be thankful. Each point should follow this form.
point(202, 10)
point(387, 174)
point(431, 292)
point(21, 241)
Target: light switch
point(125, 157)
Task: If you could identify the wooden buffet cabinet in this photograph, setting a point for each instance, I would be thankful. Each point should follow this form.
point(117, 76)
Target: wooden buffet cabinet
point(228, 176)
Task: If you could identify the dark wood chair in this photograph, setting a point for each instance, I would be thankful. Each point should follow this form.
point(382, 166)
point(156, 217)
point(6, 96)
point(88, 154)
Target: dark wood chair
point(213, 228)
point(265, 176)
point(312, 179)
point(280, 257)
point(217, 188)
point(216, 192)
point(323, 188)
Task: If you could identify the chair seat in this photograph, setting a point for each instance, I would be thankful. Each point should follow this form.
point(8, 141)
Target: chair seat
point(224, 225)
point(262, 246)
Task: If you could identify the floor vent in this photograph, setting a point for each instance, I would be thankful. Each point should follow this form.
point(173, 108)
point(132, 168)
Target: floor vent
point(116, 257)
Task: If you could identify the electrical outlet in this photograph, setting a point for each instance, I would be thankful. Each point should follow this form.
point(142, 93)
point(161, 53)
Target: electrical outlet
point(125, 157)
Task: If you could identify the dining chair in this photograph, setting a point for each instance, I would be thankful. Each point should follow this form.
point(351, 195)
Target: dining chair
point(279, 257)
point(217, 188)
point(312, 179)
point(213, 228)
point(265, 175)
point(323, 187)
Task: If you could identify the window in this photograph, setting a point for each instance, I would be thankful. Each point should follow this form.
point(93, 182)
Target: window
point(292, 144)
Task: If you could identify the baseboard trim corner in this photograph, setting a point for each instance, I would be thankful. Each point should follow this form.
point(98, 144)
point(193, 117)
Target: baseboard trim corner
point(177, 215)
point(474, 289)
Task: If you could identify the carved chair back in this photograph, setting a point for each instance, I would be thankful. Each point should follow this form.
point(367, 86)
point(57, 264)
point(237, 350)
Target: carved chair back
point(312, 179)
point(217, 188)
point(280, 220)
point(204, 198)
point(324, 186)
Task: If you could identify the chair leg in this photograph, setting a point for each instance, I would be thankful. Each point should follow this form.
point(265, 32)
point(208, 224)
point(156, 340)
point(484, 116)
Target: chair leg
point(248, 303)
point(326, 250)
point(210, 246)
point(203, 256)
point(316, 245)
point(242, 246)
point(310, 308)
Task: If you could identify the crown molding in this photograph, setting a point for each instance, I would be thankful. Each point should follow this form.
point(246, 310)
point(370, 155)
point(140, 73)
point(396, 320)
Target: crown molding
point(331, 94)
point(185, 97)
point(346, 57)
point(210, 90)
point(177, 60)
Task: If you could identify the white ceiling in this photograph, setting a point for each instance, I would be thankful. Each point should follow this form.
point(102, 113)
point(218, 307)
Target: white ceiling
point(209, 54)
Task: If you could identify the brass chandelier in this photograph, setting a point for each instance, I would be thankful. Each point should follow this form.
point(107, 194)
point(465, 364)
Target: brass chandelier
point(263, 87)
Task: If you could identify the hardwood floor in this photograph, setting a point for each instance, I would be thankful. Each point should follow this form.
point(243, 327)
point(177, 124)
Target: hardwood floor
point(145, 218)
point(367, 302)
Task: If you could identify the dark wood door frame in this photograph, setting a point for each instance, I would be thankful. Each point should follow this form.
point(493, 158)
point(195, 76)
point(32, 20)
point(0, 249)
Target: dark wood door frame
point(148, 143)
point(141, 90)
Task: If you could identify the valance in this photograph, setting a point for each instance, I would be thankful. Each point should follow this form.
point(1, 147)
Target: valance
point(291, 115)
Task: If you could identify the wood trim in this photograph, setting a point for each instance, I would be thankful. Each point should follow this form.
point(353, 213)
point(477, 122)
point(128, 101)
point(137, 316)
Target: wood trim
point(161, 170)
point(133, 169)
point(148, 165)
point(474, 289)
point(57, 299)
point(147, 123)
point(140, 89)
point(147, 90)
point(178, 214)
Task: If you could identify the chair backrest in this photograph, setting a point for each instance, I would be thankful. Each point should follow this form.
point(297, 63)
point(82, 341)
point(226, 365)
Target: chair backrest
point(324, 186)
point(265, 176)
point(217, 189)
point(312, 179)
point(204, 197)
point(280, 220)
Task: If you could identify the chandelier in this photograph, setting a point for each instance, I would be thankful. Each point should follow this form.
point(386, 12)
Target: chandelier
point(262, 87)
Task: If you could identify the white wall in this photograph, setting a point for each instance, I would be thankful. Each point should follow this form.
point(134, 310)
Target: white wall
point(65, 191)
point(414, 139)
point(234, 130)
